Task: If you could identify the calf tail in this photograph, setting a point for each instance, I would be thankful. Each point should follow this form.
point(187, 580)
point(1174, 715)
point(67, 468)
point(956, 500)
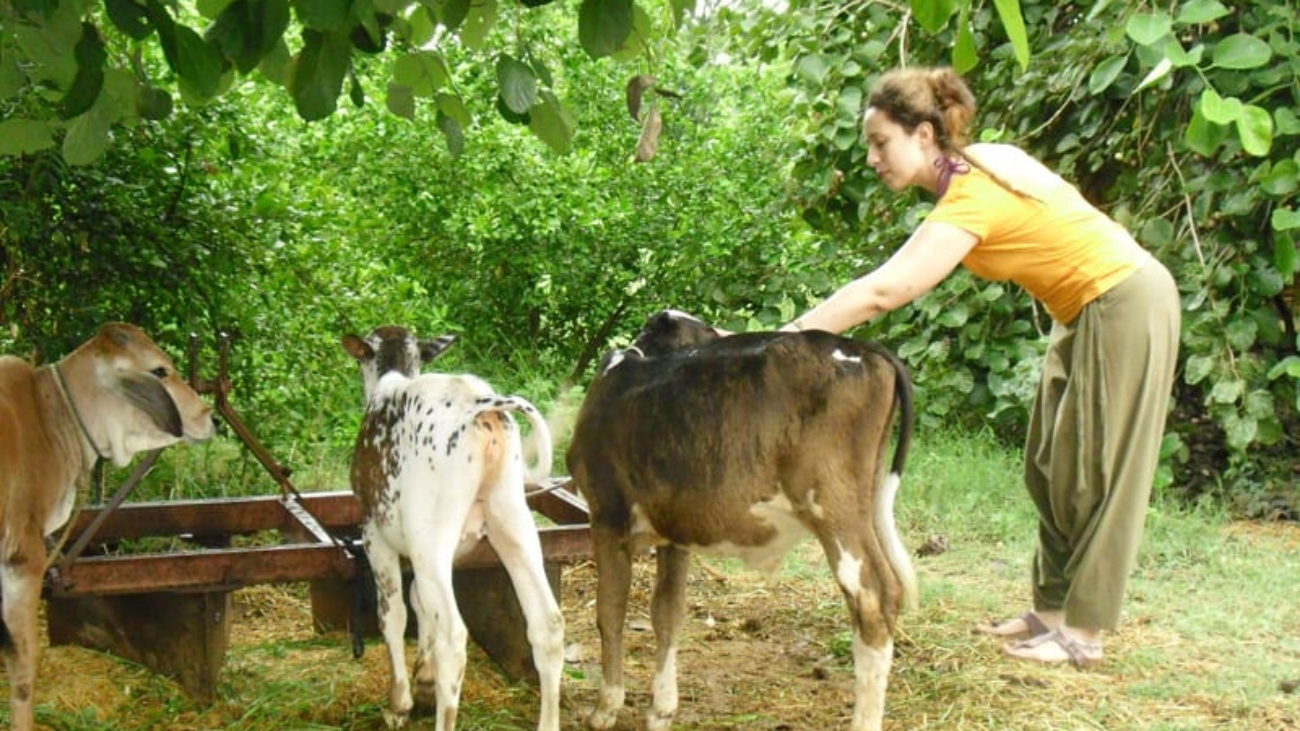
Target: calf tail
point(895, 552)
point(538, 438)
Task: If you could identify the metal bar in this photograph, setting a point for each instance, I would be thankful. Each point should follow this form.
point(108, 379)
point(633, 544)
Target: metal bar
point(218, 516)
point(232, 568)
point(88, 532)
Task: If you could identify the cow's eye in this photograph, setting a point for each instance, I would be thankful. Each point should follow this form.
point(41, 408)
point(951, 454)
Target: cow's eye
point(159, 372)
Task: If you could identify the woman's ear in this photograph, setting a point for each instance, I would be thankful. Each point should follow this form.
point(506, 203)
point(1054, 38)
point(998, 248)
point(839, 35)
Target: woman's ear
point(926, 135)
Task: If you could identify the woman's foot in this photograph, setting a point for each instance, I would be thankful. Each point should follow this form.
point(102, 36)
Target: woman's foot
point(1028, 625)
point(1077, 647)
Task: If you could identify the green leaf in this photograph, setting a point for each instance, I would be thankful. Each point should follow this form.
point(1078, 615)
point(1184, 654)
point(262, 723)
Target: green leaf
point(1285, 257)
point(1288, 366)
point(552, 123)
point(49, 46)
point(1199, 367)
point(325, 15)
point(1280, 180)
point(1227, 391)
point(1201, 136)
point(400, 100)
point(603, 25)
point(1178, 56)
point(518, 84)
point(965, 56)
point(247, 30)
point(1156, 74)
point(1241, 51)
point(86, 139)
point(1014, 24)
point(1241, 333)
point(425, 72)
point(153, 103)
point(1285, 219)
point(25, 136)
point(12, 77)
point(812, 68)
point(1240, 431)
point(452, 106)
point(451, 129)
point(130, 17)
point(197, 62)
point(634, 45)
point(933, 15)
point(1105, 73)
point(90, 55)
point(478, 23)
point(453, 13)
point(1255, 129)
point(1148, 29)
point(1286, 122)
point(316, 75)
point(1200, 12)
point(1217, 109)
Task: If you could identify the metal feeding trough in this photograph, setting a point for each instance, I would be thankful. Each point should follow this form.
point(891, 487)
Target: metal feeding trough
point(169, 610)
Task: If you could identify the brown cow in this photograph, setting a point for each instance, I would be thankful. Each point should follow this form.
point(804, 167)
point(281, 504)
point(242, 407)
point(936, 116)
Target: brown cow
point(116, 395)
point(743, 445)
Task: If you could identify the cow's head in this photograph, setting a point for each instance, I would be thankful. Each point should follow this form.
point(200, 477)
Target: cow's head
point(130, 394)
point(669, 330)
point(392, 349)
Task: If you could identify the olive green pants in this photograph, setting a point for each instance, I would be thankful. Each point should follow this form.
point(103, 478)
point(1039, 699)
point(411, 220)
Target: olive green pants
point(1094, 444)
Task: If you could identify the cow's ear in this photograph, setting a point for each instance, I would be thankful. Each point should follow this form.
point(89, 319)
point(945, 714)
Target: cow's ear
point(148, 394)
point(357, 348)
point(431, 349)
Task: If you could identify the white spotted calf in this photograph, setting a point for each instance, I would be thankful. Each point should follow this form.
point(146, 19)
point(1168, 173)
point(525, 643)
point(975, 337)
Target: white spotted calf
point(439, 463)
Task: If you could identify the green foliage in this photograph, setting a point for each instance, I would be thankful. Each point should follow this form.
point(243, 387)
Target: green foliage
point(237, 217)
point(83, 60)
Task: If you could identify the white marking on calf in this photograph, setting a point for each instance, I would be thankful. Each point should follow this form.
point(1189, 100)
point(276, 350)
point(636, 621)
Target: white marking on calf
point(842, 356)
point(778, 512)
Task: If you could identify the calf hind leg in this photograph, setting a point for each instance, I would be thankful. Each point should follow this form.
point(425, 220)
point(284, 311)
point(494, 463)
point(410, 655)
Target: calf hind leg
point(441, 654)
point(20, 606)
point(613, 583)
point(386, 565)
point(668, 608)
point(513, 535)
point(873, 644)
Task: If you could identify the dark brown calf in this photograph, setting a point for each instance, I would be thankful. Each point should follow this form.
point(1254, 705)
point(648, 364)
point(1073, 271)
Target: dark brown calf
point(743, 445)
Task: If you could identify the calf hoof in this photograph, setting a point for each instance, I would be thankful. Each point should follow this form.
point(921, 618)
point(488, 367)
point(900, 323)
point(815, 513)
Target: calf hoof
point(602, 720)
point(426, 698)
point(394, 720)
point(656, 721)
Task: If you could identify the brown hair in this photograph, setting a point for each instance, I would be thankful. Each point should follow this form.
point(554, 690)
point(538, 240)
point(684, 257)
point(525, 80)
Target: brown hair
point(935, 95)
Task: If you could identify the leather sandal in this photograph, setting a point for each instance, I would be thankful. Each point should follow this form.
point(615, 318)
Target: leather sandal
point(1034, 627)
point(1078, 653)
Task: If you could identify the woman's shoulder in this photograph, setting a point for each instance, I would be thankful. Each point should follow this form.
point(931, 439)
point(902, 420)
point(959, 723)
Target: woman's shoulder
point(995, 153)
point(1017, 169)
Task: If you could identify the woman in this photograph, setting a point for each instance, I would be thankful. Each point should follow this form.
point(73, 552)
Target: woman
point(1098, 418)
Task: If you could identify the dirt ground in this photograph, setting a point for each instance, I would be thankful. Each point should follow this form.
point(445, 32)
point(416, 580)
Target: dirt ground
point(756, 654)
point(759, 652)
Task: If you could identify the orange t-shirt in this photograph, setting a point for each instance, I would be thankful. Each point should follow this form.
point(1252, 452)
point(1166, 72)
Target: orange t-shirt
point(1047, 238)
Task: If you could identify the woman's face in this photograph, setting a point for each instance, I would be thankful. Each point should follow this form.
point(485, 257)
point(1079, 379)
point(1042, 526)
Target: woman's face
point(899, 157)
